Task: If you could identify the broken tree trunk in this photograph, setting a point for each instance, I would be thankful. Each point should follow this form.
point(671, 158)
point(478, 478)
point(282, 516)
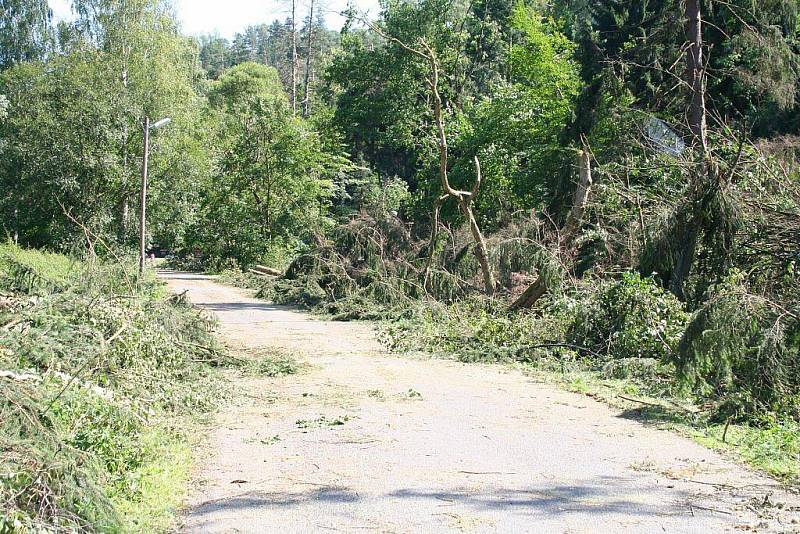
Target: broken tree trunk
point(481, 251)
point(580, 198)
point(267, 271)
point(695, 79)
point(463, 198)
point(567, 235)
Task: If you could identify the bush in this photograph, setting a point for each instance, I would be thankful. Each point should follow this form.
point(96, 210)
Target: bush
point(630, 318)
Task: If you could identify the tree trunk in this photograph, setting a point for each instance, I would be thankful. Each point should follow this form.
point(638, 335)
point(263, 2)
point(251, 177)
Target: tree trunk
point(695, 74)
point(689, 233)
point(684, 259)
point(16, 226)
point(539, 288)
point(480, 245)
point(309, 42)
point(531, 295)
point(294, 58)
point(581, 196)
point(464, 198)
point(126, 210)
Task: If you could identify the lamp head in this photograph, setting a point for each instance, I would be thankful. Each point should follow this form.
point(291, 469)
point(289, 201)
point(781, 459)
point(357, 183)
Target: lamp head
point(161, 123)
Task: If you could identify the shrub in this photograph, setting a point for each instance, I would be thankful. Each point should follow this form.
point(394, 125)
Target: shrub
point(630, 318)
point(92, 360)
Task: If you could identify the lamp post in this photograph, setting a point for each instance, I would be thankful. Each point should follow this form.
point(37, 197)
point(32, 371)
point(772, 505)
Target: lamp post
point(143, 198)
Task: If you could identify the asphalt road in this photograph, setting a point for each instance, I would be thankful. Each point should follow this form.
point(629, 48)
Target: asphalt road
point(364, 441)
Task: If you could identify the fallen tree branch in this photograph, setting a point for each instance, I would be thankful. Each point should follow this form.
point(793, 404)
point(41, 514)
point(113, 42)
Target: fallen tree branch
point(261, 269)
point(20, 377)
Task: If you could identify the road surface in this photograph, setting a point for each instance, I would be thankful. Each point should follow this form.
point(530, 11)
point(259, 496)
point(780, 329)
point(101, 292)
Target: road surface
point(364, 441)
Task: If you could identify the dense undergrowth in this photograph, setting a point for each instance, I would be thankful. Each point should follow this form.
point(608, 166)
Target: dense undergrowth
point(100, 376)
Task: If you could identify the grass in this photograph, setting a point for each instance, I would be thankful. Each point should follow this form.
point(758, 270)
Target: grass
point(161, 483)
point(473, 331)
point(266, 362)
point(773, 447)
point(240, 279)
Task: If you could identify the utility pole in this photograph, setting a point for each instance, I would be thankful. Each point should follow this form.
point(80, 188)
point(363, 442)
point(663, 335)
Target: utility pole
point(143, 198)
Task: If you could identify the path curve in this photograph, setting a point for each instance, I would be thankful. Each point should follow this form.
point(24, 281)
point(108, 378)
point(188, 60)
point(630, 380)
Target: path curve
point(364, 441)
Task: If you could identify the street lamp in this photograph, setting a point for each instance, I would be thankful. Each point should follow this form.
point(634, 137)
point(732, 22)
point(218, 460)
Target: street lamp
point(143, 199)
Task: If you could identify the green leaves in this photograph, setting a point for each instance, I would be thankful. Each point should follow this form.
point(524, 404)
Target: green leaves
point(274, 176)
point(25, 31)
point(630, 318)
point(244, 82)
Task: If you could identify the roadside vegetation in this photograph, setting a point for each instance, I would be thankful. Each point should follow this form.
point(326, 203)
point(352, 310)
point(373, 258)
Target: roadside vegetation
point(102, 376)
point(105, 381)
point(618, 341)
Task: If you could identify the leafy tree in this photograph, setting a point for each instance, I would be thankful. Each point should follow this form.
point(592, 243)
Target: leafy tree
point(59, 149)
point(74, 124)
point(244, 82)
point(381, 93)
point(520, 149)
point(25, 31)
point(274, 176)
point(214, 54)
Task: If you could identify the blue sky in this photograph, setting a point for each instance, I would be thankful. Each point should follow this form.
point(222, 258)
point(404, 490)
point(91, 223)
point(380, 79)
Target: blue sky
point(229, 16)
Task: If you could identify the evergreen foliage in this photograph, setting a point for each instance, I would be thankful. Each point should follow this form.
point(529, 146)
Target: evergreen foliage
point(91, 359)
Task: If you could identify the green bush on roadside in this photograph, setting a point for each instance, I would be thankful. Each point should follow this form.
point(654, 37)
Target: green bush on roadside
point(630, 318)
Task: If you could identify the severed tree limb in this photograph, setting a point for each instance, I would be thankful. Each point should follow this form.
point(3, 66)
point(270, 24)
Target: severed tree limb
point(567, 235)
point(531, 295)
point(581, 197)
point(481, 251)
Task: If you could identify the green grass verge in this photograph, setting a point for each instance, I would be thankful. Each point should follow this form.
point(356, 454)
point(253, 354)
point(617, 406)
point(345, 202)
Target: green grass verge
point(161, 482)
point(242, 280)
point(473, 331)
point(772, 447)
